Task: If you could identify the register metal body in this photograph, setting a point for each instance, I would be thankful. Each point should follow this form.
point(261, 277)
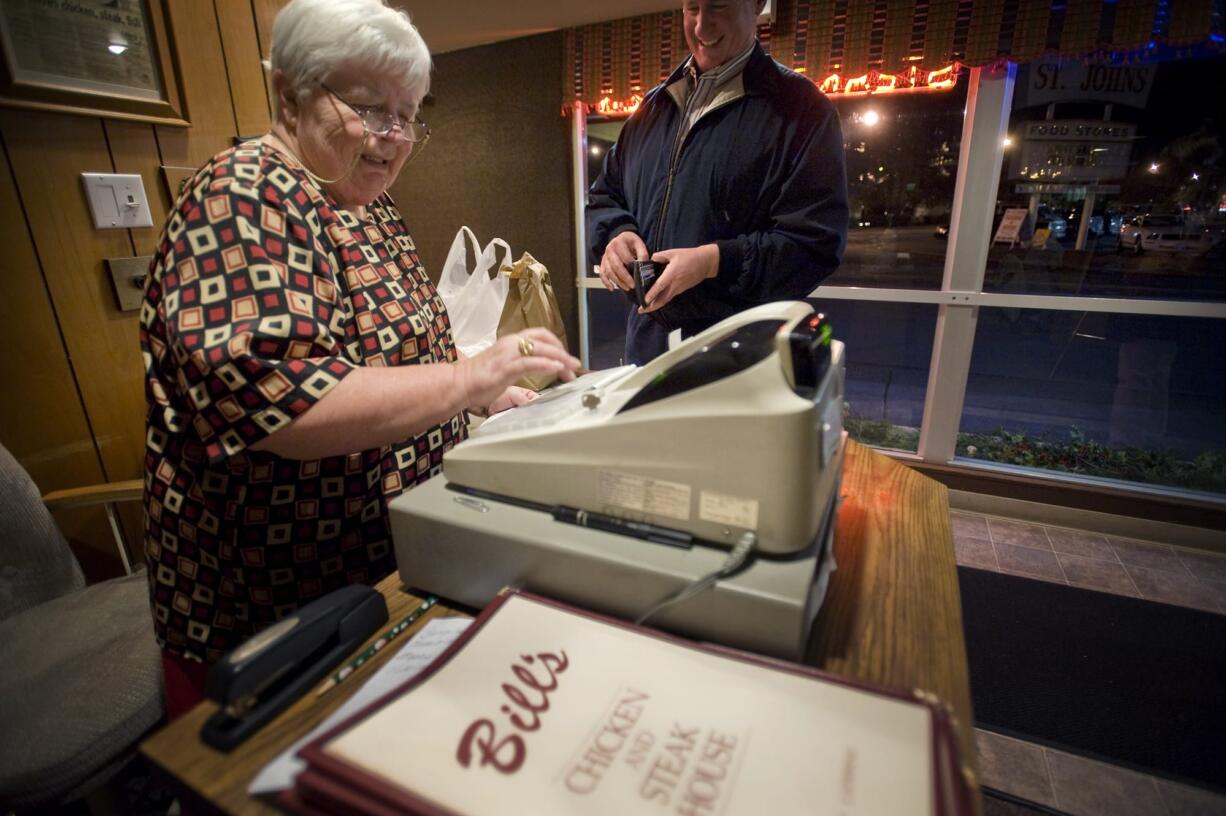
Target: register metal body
point(737, 430)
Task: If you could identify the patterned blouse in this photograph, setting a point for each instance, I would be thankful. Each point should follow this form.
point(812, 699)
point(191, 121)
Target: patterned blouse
point(263, 295)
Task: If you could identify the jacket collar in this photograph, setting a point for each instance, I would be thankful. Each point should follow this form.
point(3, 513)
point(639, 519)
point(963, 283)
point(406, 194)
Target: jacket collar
point(756, 76)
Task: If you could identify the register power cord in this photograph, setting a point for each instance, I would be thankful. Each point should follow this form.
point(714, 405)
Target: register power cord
point(736, 559)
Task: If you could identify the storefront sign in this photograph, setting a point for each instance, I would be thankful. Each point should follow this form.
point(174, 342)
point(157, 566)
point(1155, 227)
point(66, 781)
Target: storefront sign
point(1074, 81)
point(1067, 162)
point(1011, 223)
point(1073, 150)
point(1080, 130)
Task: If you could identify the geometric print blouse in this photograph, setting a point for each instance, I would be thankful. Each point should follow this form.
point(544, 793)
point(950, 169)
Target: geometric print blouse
point(262, 295)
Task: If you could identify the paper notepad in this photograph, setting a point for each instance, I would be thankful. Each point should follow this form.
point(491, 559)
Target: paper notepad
point(418, 653)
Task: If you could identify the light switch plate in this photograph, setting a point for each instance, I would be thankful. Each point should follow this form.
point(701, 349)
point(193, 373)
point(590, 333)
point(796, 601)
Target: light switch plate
point(117, 200)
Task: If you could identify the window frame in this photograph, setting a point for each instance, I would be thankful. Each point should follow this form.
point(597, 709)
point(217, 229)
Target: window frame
point(981, 158)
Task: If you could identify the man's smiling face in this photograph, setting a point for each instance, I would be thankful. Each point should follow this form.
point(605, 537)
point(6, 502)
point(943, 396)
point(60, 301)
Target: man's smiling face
point(718, 30)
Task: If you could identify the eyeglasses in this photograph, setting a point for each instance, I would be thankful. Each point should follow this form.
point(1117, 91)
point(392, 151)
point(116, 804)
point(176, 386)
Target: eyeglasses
point(382, 122)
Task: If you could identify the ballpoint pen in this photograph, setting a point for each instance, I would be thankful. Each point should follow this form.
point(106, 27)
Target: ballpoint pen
point(613, 524)
point(352, 666)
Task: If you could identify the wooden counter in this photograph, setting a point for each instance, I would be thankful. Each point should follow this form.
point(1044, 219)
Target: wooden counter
point(892, 616)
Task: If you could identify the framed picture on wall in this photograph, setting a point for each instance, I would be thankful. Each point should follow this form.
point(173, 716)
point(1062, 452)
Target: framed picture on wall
point(109, 58)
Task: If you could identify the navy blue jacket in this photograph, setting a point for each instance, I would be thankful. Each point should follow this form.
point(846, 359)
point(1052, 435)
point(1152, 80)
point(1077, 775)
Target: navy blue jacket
point(761, 176)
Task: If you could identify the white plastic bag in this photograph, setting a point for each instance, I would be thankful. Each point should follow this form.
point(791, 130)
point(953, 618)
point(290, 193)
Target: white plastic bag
point(473, 298)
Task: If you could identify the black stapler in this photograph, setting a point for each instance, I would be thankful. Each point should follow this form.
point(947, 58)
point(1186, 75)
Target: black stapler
point(265, 674)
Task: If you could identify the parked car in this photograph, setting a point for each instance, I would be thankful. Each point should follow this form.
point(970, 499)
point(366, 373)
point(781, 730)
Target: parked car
point(1161, 232)
point(1072, 223)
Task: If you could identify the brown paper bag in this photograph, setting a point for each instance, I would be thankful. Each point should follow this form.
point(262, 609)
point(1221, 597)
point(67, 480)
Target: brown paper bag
point(530, 304)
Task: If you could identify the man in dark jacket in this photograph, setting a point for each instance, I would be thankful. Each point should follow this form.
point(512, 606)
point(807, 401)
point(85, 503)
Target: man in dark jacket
point(732, 173)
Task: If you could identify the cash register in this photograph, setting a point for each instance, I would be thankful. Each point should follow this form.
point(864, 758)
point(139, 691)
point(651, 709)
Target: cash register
point(626, 490)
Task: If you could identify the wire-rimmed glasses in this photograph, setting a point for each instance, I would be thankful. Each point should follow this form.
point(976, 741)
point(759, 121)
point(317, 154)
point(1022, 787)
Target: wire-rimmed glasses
point(382, 122)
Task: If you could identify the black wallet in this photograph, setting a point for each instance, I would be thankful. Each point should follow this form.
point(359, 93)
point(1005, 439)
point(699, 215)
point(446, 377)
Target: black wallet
point(644, 274)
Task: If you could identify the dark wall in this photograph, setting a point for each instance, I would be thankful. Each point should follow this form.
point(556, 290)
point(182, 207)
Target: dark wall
point(498, 160)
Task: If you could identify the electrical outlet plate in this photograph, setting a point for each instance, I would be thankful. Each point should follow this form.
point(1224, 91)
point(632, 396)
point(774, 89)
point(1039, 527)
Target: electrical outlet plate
point(128, 278)
point(117, 200)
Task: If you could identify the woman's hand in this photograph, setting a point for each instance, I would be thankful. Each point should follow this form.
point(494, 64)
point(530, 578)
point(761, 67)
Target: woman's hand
point(513, 397)
point(484, 378)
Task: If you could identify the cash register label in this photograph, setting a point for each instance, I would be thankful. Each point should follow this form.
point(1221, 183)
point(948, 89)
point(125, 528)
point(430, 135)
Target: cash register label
point(639, 493)
point(731, 510)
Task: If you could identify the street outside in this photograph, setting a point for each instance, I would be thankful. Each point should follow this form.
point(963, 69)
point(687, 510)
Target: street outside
point(911, 257)
point(1127, 381)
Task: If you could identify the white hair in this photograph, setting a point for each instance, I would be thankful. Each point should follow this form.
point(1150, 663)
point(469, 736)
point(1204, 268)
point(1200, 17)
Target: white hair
point(312, 38)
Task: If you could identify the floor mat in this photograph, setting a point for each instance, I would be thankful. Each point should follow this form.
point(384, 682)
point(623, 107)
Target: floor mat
point(1132, 682)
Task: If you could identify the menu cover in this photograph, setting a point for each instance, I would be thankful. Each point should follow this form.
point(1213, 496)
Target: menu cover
point(543, 708)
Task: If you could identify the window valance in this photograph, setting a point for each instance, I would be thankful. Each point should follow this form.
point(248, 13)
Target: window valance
point(872, 46)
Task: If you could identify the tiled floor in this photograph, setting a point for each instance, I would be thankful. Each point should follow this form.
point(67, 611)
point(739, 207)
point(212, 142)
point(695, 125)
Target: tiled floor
point(1146, 569)
point(1082, 787)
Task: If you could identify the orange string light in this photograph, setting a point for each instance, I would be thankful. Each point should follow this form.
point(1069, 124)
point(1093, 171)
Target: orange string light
point(912, 80)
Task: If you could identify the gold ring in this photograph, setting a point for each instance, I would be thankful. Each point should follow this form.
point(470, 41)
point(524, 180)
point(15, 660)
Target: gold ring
point(526, 346)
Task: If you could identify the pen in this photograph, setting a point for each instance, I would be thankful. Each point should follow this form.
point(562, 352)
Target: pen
point(383, 640)
point(589, 519)
point(613, 524)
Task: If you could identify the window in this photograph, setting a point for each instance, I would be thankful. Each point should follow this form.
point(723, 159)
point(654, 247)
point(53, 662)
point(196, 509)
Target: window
point(1076, 328)
point(902, 162)
point(1103, 394)
point(1111, 187)
point(1121, 172)
point(887, 350)
point(605, 312)
point(901, 153)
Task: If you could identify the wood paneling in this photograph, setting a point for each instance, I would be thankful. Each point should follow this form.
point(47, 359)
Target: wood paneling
point(202, 72)
point(41, 419)
point(49, 152)
point(236, 22)
point(265, 12)
point(73, 359)
point(498, 161)
point(134, 149)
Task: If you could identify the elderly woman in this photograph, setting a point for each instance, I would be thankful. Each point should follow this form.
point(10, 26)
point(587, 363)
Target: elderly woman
point(300, 370)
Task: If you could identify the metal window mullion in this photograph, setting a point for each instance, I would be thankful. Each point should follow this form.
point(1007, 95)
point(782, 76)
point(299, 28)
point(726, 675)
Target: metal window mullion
point(578, 149)
point(1058, 303)
point(984, 128)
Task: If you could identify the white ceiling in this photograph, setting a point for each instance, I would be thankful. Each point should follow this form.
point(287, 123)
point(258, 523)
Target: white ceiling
point(449, 25)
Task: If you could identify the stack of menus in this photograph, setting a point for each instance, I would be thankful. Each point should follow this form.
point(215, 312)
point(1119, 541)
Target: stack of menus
point(543, 708)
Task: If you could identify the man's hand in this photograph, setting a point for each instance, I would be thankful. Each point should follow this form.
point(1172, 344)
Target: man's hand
point(686, 269)
point(625, 247)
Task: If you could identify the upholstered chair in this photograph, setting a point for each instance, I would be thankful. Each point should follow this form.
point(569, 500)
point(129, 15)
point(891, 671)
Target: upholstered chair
point(81, 676)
